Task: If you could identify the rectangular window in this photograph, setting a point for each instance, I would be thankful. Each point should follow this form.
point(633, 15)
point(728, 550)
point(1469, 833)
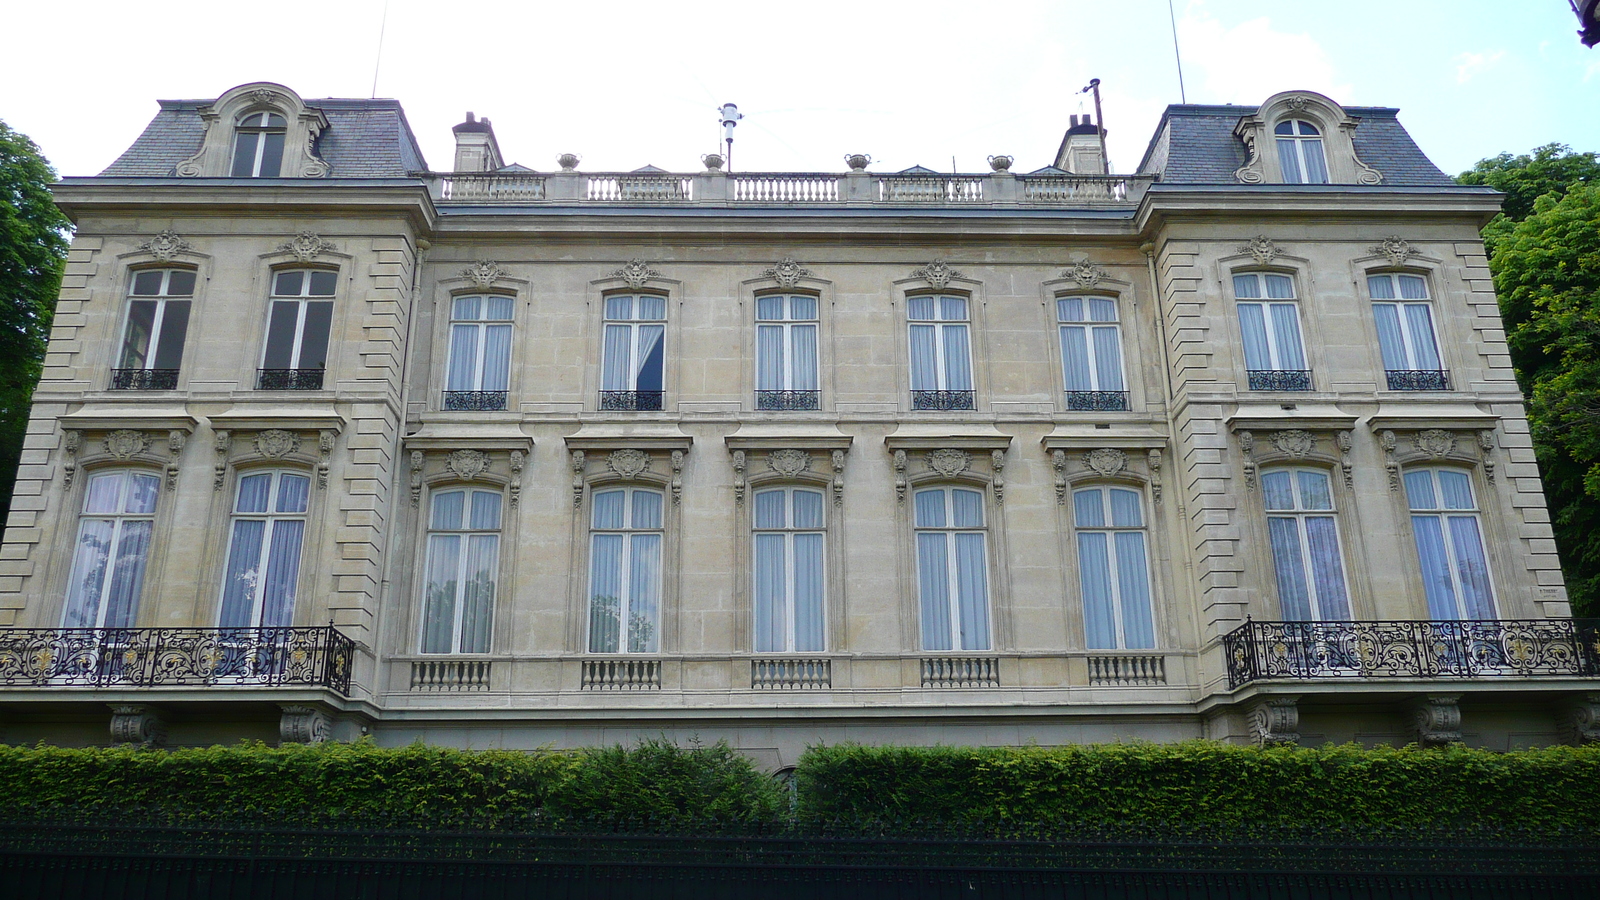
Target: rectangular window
point(1406, 338)
point(258, 145)
point(1269, 321)
point(463, 564)
point(269, 523)
point(625, 572)
point(296, 352)
point(632, 373)
point(952, 569)
point(158, 322)
point(1091, 353)
point(941, 358)
point(1445, 523)
point(113, 546)
point(1113, 569)
point(479, 372)
point(1305, 545)
point(789, 571)
point(786, 352)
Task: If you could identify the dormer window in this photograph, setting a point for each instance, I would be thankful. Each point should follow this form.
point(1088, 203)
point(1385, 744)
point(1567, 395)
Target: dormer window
point(1300, 152)
point(258, 145)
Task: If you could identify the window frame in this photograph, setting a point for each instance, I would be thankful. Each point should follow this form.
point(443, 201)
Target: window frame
point(303, 302)
point(1448, 540)
point(1298, 141)
point(787, 394)
point(789, 532)
point(1100, 399)
point(952, 580)
point(119, 518)
point(260, 133)
point(1299, 514)
point(269, 531)
point(941, 362)
point(158, 326)
point(477, 397)
point(1275, 353)
point(465, 532)
point(1116, 600)
point(1408, 339)
point(633, 400)
point(626, 563)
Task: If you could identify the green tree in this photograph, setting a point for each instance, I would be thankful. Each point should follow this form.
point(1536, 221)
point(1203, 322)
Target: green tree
point(1544, 251)
point(33, 249)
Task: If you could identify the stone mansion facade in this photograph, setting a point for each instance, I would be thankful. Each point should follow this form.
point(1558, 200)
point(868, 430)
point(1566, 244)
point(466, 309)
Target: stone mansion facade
point(331, 444)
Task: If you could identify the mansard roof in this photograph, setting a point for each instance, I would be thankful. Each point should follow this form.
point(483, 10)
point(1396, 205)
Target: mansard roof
point(364, 139)
point(1197, 144)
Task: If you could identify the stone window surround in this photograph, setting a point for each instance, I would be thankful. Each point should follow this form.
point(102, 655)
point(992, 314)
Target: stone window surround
point(799, 281)
point(1070, 284)
point(482, 277)
point(1255, 131)
point(953, 283)
point(636, 277)
point(305, 125)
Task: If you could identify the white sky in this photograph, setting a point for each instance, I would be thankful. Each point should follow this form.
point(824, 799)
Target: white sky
point(630, 83)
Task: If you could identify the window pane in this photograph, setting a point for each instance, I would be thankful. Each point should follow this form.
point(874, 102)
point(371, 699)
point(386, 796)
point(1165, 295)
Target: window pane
point(1075, 372)
point(1088, 509)
point(323, 283)
point(1138, 626)
point(769, 308)
point(141, 322)
point(244, 155)
point(605, 593)
point(485, 511)
point(972, 591)
point(1102, 309)
point(447, 510)
point(1316, 163)
point(1094, 583)
point(652, 356)
point(477, 600)
point(1314, 491)
point(968, 509)
point(646, 509)
point(1380, 287)
point(1419, 490)
point(930, 509)
point(294, 491)
point(1253, 327)
point(1419, 320)
point(1289, 161)
point(1327, 569)
point(608, 507)
point(953, 309)
point(439, 592)
point(105, 493)
point(652, 307)
point(142, 490)
point(314, 342)
point(919, 308)
point(933, 582)
point(1277, 489)
point(1436, 579)
point(1413, 287)
point(87, 581)
point(180, 283)
point(1472, 567)
point(127, 573)
point(803, 307)
point(243, 574)
point(770, 358)
point(496, 375)
point(616, 371)
point(1286, 331)
point(281, 327)
point(1108, 358)
point(1246, 287)
point(803, 358)
point(254, 493)
point(463, 372)
point(498, 308)
point(147, 284)
point(924, 358)
point(619, 307)
point(467, 309)
point(280, 588)
point(288, 284)
point(1125, 511)
point(1070, 309)
point(1280, 287)
point(1390, 344)
point(807, 509)
point(769, 509)
point(271, 154)
point(809, 627)
point(174, 326)
point(957, 363)
point(1288, 564)
point(1456, 488)
point(770, 614)
point(644, 585)
point(1284, 128)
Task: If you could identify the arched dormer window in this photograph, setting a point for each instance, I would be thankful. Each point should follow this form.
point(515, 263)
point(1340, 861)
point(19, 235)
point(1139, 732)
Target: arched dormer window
point(258, 145)
point(1300, 152)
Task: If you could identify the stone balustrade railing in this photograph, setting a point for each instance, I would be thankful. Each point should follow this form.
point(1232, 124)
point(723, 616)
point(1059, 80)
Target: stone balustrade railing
point(995, 189)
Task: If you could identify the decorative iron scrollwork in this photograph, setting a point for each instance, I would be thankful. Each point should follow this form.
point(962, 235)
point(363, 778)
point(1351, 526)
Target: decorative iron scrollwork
point(1417, 380)
point(637, 401)
point(1280, 379)
point(144, 379)
point(289, 379)
point(943, 400)
point(1084, 401)
point(788, 400)
point(476, 400)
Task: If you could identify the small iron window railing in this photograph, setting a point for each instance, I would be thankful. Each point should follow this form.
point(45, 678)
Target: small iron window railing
point(637, 401)
point(788, 400)
point(289, 379)
point(1082, 401)
point(478, 400)
point(943, 400)
point(1418, 379)
point(1280, 379)
point(144, 379)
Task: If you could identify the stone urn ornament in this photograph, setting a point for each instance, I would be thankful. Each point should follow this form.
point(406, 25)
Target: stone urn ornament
point(568, 161)
point(857, 162)
point(713, 162)
point(1001, 163)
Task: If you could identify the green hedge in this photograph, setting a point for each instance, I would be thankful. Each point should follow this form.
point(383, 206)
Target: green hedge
point(416, 786)
point(1202, 785)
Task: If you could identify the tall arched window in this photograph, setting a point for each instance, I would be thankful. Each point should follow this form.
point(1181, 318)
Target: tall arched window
point(1091, 353)
point(952, 569)
point(113, 546)
point(1406, 338)
point(479, 372)
point(1113, 569)
point(258, 145)
point(633, 370)
point(789, 571)
point(625, 572)
point(1449, 536)
point(1305, 545)
point(1300, 152)
point(269, 523)
point(463, 571)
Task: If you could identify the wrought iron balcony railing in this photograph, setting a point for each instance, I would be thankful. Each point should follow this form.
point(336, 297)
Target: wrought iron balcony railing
point(289, 379)
point(482, 400)
point(1418, 380)
point(317, 656)
point(788, 400)
point(943, 400)
point(1280, 379)
point(638, 401)
point(144, 379)
point(1082, 401)
point(1479, 648)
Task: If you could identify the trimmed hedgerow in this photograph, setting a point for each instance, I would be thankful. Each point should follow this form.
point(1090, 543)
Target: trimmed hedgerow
point(654, 783)
point(1201, 785)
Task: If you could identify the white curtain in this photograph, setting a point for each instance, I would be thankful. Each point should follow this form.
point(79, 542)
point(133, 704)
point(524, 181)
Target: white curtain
point(1419, 318)
point(1436, 580)
point(1316, 163)
point(463, 358)
point(972, 587)
point(605, 593)
point(1253, 326)
point(1286, 329)
point(1279, 287)
point(477, 601)
point(1472, 568)
point(1288, 562)
point(1289, 161)
point(1075, 370)
point(924, 358)
point(1390, 344)
point(283, 573)
point(1108, 358)
point(769, 357)
point(89, 563)
point(644, 606)
point(957, 362)
point(439, 598)
point(1327, 568)
point(810, 634)
point(1138, 629)
point(243, 573)
point(771, 619)
point(804, 358)
point(933, 580)
point(109, 561)
point(496, 358)
point(1094, 582)
point(617, 370)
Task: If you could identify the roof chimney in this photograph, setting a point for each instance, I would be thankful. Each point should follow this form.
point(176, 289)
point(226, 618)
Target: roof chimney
point(1080, 148)
point(476, 148)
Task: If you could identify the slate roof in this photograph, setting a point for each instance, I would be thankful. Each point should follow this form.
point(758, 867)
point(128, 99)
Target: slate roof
point(364, 139)
point(1195, 144)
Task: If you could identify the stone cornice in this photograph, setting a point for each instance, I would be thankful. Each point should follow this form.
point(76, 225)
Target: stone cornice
point(297, 197)
point(1323, 202)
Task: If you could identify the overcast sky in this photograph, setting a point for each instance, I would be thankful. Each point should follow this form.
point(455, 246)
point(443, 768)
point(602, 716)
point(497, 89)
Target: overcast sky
point(629, 84)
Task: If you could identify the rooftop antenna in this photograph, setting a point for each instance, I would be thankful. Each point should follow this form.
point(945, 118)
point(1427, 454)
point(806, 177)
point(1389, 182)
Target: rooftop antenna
point(384, 23)
point(730, 118)
point(1099, 123)
point(1175, 54)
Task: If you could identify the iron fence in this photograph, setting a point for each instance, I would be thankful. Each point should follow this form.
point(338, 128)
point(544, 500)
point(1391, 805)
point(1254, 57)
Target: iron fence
point(317, 656)
point(1484, 648)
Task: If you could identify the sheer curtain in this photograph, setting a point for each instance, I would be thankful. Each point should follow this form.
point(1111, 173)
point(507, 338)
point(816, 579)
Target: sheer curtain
point(1138, 629)
point(648, 376)
point(957, 361)
point(771, 632)
point(1390, 344)
point(804, 354)
point(439, 599)
point(1108, 358)
point(933, 580)
point(1075, 370)
point(1420, 318)
point(1286, 331)
point(770, 362)
point(644, 612)
point(496, 358)
point(463, 358)
point(616, 370)
point(924, 358)
point(810, 635)
point(113, 545)
point(1253, 327)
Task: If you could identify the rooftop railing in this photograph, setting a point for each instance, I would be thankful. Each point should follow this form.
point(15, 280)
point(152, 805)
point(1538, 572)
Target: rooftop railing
point(995, 189)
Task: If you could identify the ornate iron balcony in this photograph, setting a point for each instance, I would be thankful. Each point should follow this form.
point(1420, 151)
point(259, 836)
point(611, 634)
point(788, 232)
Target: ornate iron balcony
point(642, 401)
point(1280, 379)
point(1486, 648)
point(144, 379)
point(474, 399)
point(1418, 380)
point(1097, 400)
point(943, 400)
point(788, 399)
point(169, 657)
point(289, 379)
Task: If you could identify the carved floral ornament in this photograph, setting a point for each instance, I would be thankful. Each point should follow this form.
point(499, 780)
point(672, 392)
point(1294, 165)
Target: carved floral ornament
point(937, 273)
point(1435, 443)
point(275, 443)
point(306, 246)
point(1293, 443)
point(787, 273)
point(1086, 274)
point(628, 464)
point(484, 272)
point(467, 464)
point(636, 272)
point(125, 443)
point(265, 97)
point(165, 246)
point(949, 462)
point(1262, 249)
point(1106, 461)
